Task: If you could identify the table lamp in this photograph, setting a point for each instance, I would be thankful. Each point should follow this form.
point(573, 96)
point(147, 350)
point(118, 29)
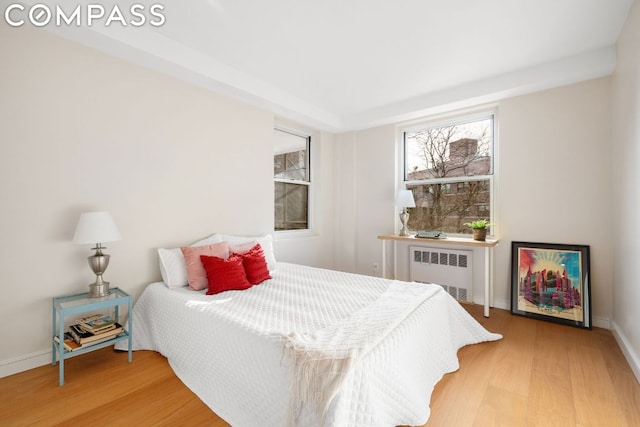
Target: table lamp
point(404, 201)
point(97, 228)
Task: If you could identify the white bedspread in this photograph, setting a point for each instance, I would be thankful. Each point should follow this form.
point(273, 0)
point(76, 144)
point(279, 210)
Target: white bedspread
point(229, 348)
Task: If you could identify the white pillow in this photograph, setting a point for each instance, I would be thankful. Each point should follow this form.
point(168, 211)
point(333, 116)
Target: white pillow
point(265, 241)
point(173, 268)
point(211, 240)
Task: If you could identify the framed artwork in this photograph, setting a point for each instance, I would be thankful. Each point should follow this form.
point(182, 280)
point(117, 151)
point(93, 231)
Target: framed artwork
point(551, 282)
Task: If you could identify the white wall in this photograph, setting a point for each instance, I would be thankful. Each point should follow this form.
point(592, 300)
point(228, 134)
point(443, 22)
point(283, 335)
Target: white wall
point(553, 158)
point(344, 216)
point(626, 198)
point(555, 179)
point(366, 191)
point(84, 131)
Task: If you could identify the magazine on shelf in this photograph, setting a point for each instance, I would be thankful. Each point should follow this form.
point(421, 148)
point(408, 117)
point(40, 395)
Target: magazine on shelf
point(83, 337)
point(97, 323)
point(69, 343)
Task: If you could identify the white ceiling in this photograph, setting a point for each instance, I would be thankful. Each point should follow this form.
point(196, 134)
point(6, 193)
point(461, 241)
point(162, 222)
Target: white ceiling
point(348, 64)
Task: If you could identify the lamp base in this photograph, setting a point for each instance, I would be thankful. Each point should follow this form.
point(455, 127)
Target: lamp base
point(99, 263)
point(99, 290)
point(404, 231)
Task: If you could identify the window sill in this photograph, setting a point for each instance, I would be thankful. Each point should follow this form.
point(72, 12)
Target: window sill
point(294, 234)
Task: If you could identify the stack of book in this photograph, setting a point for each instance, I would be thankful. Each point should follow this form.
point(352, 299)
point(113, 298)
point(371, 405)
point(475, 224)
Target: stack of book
point(90, 330)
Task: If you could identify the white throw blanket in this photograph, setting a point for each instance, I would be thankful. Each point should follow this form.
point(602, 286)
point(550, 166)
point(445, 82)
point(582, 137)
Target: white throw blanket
point(320, 361)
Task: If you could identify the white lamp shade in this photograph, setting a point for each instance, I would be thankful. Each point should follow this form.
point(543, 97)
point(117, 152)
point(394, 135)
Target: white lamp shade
point(405, 199)
point(96, 227)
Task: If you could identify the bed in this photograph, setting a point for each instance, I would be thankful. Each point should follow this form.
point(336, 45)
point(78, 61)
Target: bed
point(309, 346)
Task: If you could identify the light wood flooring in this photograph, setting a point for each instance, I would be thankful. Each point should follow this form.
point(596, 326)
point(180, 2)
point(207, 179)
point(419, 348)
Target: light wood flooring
point(540, 374)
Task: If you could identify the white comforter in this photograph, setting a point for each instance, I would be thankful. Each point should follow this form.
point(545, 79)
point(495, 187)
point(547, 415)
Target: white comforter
point(229, 348)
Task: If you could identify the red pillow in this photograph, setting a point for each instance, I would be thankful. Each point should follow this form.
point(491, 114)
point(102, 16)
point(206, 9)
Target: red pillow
point(255, 265)
point(224, 274)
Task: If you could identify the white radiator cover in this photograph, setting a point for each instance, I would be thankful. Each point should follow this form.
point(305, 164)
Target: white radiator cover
point(451, 269)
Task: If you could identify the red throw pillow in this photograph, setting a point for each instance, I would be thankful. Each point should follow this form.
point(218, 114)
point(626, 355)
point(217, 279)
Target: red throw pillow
point(255, 265)
point(224, 274)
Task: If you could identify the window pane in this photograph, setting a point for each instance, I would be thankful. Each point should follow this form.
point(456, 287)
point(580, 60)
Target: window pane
point(290, 156)
point(461, 149)
point(447, 207)
point(448, 168)
point(291, 206)
point(291, 165)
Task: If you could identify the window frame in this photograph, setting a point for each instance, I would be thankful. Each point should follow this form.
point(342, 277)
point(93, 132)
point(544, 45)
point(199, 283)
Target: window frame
point(308, 183)
point(460, 117)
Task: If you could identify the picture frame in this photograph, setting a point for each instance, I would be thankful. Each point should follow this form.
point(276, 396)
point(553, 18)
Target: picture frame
point(551, 282)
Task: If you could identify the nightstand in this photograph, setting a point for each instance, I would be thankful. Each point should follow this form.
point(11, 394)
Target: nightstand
point(80, 303)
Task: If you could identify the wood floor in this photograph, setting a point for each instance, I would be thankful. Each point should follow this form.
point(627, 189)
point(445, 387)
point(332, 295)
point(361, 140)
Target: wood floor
point(540, 374)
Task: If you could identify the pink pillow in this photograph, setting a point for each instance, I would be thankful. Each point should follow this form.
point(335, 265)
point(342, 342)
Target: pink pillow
point(196, 275)
point(255, 265)
point(224, 274)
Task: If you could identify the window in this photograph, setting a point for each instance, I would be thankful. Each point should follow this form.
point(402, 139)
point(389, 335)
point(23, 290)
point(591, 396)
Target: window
point(292, 180)
point(449, 168)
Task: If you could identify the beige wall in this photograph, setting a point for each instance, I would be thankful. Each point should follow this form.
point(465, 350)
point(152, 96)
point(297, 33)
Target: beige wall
point(367, 174)
point(555, 179)
point(626, 176)
point(554, 185)
point(84, 131)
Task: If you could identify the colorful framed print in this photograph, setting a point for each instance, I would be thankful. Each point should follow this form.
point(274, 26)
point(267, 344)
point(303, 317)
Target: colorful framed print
point(551, 282)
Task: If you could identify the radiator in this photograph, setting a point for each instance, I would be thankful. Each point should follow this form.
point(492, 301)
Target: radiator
point(451, 269)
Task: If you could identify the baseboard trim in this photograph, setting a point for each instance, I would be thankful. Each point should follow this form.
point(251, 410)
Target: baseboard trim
point(24, 363)
point(601, 322)
point(505, 305)
point(627, 350)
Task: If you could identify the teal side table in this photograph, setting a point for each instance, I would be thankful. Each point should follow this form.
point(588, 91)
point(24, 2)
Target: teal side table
point(80, 303)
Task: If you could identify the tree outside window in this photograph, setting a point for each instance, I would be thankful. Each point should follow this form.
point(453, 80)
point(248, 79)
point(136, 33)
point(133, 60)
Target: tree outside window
point(449, 168)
